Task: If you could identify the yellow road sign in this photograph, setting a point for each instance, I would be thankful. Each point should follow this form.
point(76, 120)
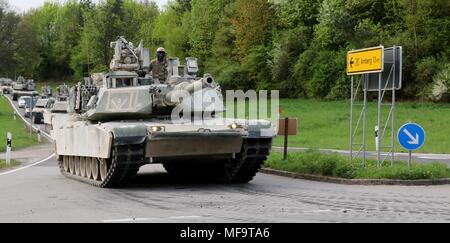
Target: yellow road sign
point(370, 60)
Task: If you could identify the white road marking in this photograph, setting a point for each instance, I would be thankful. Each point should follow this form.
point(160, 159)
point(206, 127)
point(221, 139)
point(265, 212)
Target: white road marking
point(318, 211)
point(433, 158)
point(148, 219)
point(28, 166)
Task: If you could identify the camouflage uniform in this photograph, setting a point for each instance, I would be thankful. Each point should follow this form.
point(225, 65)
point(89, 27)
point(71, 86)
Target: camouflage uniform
point(159, 70)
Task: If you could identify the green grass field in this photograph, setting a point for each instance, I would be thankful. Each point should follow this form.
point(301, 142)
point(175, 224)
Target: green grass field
point(334, 165)
point(325, 125)
point(3, 164)
point(21, 137)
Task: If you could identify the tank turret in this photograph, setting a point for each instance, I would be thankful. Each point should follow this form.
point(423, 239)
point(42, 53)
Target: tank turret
point(46, 92)
point(128, 91)
point(24, 84)
point(23, 87)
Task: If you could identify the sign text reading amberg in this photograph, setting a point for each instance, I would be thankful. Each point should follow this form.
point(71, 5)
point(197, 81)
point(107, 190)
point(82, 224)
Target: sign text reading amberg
point(370, 60)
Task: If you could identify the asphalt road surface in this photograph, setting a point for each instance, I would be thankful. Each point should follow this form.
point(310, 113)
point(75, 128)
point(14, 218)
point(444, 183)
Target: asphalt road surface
point(41, 194)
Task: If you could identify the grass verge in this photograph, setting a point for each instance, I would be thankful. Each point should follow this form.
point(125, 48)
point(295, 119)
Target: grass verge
point(335, 165)
point(3, 164)
point(21, 136)
point(325, 124)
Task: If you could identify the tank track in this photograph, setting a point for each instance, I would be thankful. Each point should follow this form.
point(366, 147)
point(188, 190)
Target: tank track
point(121, 168)
point(244, 167)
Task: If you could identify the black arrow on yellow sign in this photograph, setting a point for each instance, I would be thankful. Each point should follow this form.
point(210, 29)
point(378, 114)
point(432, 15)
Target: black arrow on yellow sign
point(351, 62)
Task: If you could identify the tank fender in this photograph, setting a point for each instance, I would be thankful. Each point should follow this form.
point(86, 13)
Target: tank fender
point(129, 135)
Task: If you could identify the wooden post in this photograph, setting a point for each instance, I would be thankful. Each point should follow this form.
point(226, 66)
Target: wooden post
point(286, 138)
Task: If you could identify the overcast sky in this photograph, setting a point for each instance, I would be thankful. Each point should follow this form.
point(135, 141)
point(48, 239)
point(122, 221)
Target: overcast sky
point(23, 5)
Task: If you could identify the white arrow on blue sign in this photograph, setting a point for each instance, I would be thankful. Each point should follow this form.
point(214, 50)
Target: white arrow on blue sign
point(411, 136)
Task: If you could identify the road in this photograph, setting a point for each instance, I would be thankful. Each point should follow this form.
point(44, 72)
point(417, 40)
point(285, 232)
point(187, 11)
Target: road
point(41, 194)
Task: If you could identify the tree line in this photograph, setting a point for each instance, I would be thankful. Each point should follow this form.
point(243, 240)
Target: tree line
point(296, 46)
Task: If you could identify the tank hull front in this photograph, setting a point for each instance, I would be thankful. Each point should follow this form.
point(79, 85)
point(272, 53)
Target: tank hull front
point(161, 139)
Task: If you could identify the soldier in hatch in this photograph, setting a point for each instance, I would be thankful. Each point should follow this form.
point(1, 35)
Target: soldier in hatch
point(159, 66)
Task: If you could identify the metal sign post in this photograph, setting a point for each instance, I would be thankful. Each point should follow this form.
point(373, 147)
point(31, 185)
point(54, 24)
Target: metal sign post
point(362, 62)
point(8, 148)
point(379, 69)
point(411, 137)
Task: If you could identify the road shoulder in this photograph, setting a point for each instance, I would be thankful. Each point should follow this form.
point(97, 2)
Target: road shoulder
point(30, 155)
point(371, 182)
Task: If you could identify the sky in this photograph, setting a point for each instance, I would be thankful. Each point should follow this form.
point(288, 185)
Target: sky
point(23, 5)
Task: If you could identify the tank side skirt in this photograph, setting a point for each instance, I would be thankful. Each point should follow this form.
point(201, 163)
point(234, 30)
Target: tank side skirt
point(123, 166)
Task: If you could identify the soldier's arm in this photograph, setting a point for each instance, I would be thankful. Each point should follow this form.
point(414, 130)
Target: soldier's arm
point(150, 67)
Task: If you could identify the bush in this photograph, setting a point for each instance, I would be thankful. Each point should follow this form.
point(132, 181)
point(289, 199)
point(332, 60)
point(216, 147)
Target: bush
point(441, 83)
point(426, 69)
point(256, 66)
point(315, 163)
point(231, 78)
point(321, 73)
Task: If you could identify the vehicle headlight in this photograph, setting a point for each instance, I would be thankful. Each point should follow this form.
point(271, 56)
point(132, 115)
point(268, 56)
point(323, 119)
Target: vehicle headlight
point(235, 125)
point(154, 129)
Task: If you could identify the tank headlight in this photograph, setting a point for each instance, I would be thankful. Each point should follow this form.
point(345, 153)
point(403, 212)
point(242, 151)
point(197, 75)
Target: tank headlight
point(234, 125)
point(156, 129)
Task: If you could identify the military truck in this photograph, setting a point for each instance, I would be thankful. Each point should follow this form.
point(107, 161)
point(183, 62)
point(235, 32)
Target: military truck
point(5, 85)
point(23, 87)
point(39, 109)
point(128, 120)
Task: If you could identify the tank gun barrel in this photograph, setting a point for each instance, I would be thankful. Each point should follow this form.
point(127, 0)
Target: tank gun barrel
point(181, 90)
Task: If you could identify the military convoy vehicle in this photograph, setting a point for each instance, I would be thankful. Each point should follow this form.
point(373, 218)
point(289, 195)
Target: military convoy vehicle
point(126, 120)
point(23, 87)
point(46, 92)
point(5, 85)
point(39, 109)
point(62, 93)
point(55, 114)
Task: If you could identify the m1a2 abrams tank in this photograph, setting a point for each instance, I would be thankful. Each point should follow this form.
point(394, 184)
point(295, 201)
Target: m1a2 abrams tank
point(127, 120)
point(23, 87)
point(5, 85)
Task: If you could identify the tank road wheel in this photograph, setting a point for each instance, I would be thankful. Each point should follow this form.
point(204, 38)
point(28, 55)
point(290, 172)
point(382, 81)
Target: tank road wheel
point(104, 168)
point(89, 168)
point(244, 167)
point(71, 165)
point(95, 168)
point(83, 166)
point(117, 171)
point(66, 163)
point(77, 166)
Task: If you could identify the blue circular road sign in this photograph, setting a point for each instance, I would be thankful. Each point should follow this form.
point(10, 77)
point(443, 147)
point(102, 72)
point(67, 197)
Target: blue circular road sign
point(411, 136)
